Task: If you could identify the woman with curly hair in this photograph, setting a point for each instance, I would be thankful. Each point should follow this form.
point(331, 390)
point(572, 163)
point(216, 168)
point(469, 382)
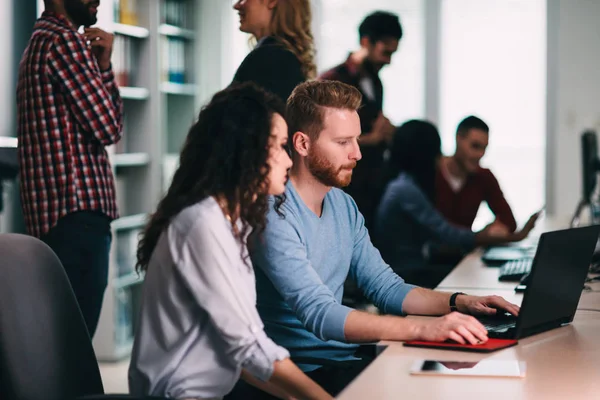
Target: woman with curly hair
point(198, 326)
point(284, 54)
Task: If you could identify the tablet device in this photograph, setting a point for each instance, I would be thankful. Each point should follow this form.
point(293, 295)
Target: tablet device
point(484, 368)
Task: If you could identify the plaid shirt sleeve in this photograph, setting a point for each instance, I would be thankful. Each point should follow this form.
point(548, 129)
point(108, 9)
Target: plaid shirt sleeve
point(93, 97)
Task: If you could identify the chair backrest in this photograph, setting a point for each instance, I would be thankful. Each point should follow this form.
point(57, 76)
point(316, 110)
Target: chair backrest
point(45, 349)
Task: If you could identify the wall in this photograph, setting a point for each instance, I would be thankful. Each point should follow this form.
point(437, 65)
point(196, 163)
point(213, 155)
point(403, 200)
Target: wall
point(6, 72)
point(573, 94)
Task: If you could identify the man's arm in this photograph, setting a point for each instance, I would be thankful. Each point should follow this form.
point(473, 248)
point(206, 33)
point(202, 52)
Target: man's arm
point(421, 301)
point(457, 326)
point(93, 98)
point(282, 257)
point(390, 293)
point(497, 203)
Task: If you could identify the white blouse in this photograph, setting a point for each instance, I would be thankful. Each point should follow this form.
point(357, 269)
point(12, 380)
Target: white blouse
point(198, 324)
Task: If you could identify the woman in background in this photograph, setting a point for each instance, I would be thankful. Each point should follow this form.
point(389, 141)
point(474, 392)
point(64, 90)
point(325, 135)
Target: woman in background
point(284, 53)
point(199, 328)
point(407, 223)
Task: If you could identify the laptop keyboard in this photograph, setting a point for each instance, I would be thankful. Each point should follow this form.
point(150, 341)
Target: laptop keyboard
point(514, 270)
point(499, 327)
point(498, 323)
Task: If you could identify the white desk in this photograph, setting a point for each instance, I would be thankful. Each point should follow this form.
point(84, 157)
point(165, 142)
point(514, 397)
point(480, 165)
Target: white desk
point(563, 363)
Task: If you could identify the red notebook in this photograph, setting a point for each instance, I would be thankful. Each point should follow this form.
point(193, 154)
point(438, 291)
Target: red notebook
point(487, 347)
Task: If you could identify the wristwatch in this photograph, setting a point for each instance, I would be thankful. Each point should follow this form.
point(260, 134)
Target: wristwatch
point(453, 301)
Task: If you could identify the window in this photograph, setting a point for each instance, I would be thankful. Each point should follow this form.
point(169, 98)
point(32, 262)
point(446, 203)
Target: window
point(493, 65)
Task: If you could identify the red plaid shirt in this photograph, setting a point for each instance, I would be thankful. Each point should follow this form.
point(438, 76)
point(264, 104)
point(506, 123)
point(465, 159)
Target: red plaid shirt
point(68, 111)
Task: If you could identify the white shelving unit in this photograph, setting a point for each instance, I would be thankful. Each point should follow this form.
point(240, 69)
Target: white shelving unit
point(134, 93)
point(175, 31)
point(130, 30)
point(158, 114)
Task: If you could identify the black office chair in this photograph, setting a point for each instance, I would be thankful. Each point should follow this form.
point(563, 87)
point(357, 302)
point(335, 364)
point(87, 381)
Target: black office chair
point(45, 350)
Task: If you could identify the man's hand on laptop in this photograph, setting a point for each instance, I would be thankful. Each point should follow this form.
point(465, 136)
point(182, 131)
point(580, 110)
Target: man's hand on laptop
point(485, 305)
point(455, 326)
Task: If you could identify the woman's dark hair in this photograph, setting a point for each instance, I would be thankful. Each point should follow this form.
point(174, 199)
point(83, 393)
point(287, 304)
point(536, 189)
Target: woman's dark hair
point(416, 147)
point(225, 154)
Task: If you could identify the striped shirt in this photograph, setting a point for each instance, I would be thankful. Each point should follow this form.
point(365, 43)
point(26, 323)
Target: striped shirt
point(68, 112)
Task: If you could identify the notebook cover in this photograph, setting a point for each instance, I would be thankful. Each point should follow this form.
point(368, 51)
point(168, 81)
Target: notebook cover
point(487, 347)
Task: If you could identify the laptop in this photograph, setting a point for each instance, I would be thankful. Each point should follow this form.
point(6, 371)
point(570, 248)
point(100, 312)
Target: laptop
point(558, 273)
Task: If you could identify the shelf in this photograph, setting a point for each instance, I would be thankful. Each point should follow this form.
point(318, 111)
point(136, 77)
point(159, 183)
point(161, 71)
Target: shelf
point(184, 89)
point(134, 93)
point(128, 280)
point(131, 31)
point(175, 31)
point(8, 141)
point(130, 160)
point(130, 222)
point(123, 351)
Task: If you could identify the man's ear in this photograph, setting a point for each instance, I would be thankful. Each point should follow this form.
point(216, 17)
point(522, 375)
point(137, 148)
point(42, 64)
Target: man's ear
point(301, 143)
point(365, 42)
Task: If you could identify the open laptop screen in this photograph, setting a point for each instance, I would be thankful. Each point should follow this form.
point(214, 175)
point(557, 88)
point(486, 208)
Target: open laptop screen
point(557, 277)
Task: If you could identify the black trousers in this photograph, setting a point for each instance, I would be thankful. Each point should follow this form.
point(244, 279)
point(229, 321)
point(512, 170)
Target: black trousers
point(81, 240)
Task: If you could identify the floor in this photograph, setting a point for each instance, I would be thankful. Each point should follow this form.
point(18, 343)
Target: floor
point(114, 377)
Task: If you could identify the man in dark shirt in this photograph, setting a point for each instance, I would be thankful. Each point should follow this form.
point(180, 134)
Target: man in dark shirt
point(380, 33)
point(461, 184)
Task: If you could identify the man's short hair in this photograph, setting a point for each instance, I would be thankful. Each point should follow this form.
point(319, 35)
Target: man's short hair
point(380, 25)
point(306, 104)
point(471, 122)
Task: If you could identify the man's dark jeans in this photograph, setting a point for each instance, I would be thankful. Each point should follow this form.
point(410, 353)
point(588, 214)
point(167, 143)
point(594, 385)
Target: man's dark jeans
point(81, 240)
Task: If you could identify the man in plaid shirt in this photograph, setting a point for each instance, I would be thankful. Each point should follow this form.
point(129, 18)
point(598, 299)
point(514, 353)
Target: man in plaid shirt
point(69, 110)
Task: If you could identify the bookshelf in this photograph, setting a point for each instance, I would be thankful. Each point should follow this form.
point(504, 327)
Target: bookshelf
point(154, 62)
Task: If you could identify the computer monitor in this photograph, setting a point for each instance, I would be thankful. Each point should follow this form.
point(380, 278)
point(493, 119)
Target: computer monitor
point(590, 166)
point(590, 163)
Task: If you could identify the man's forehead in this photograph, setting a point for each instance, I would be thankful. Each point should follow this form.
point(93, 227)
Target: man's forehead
point(389, 43)
point(477, 135)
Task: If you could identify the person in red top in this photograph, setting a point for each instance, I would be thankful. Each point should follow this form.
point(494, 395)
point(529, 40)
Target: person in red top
point(462, 184)
point(69, 110)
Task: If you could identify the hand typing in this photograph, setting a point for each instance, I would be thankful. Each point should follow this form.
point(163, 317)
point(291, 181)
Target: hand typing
point(454, 326)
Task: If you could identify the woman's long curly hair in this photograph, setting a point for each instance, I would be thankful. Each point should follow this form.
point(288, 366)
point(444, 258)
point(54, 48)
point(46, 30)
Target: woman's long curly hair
point(291, 25)
point(225, 155)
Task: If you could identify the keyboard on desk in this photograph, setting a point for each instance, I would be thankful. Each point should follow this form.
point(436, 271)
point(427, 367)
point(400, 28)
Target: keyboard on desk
point(514, 270)
point(497, 325)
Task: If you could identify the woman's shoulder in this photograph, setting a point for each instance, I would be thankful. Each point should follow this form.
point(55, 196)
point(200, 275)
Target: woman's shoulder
point(206, 211)
point(271, 47)
point(404, 187)
point(403, 181)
